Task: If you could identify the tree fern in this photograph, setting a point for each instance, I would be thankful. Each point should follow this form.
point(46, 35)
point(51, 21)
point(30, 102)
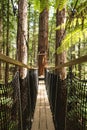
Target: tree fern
point(40, 5)
point(60, 4)
point(73, 37)
point(43, 5)
point(82, 8)
point(76, 22)
point(36, 4)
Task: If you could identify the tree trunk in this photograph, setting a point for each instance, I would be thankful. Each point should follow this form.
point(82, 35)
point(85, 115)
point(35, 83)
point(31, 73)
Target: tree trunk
point(34, 38)
point(43, 40)
point(60, 34)
point(0, 38)
point(22, 56)
point(22, 36)
point(61, 94)
point(7, 46)
point(3, 32)
point(79, 66)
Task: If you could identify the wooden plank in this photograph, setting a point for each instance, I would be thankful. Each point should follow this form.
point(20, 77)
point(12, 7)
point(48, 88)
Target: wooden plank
point(43, 116)
point(49, 119)
point(35, 125)
point(42, 110)
point(43, 125)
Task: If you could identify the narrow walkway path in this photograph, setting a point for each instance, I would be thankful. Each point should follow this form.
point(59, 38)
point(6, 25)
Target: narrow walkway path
point(42, 116)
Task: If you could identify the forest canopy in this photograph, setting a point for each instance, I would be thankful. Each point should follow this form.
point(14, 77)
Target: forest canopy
point(75, 25)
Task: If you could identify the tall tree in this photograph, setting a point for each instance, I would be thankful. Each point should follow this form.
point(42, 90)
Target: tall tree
point(0, 35)
point(22, 55)
point(7, 44)
point(52, 26)
point(43, 40)
point(60, 59)
point(22, 35)
point(34, 41)
point(4, 7)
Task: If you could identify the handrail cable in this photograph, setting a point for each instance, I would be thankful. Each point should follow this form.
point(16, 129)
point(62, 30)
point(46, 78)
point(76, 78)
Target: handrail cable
point(80, 60)
point(12, 61)
point(67, 64)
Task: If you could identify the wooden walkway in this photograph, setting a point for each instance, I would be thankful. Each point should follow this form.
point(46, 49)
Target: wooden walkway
point(42, 116)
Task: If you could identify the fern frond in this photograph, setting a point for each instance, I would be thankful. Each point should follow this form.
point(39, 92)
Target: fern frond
point(40, 5)
point(72, 38)
point(62, 26)
point(82, 7)
point(37, 5)
point(43, 4)
point(60, 4)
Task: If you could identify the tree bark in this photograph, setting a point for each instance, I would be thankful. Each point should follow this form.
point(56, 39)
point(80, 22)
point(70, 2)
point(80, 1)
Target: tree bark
point(0, 39)
point(22, 36)
point(7, 46)
point(61, 95)
point(34, 46)
point(43, 40)
point(22, 56)
point(60, 34)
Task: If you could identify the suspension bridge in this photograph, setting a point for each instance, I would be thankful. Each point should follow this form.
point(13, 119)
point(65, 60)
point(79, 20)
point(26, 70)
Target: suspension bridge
point(41, 109)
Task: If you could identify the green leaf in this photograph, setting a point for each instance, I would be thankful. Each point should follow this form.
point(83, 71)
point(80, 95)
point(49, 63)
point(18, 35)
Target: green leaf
point(60, 4)
point(72, 38)
point(62, 26)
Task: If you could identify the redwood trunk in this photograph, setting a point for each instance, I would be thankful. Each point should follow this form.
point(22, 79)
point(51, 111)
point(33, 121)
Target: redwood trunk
point(22, 56)
point(22, 36)
point(7, 45)
point(43, 41)
point(0, 44)
point(61, 95)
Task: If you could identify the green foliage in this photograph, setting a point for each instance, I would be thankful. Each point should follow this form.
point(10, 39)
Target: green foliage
point(62, 26)
point(40, 5)
point(60, 4)
point(36, 4)
point(82, 8)
point(43, 5)
point(75, 26)
point(72, 37)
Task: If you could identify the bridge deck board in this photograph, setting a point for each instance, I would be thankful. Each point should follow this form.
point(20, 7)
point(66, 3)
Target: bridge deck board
point(42, 116)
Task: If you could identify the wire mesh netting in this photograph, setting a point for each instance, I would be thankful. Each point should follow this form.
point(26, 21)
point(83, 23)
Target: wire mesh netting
point(17, 100)
point(77, 103)
point(9, 104)
point(76, 114)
